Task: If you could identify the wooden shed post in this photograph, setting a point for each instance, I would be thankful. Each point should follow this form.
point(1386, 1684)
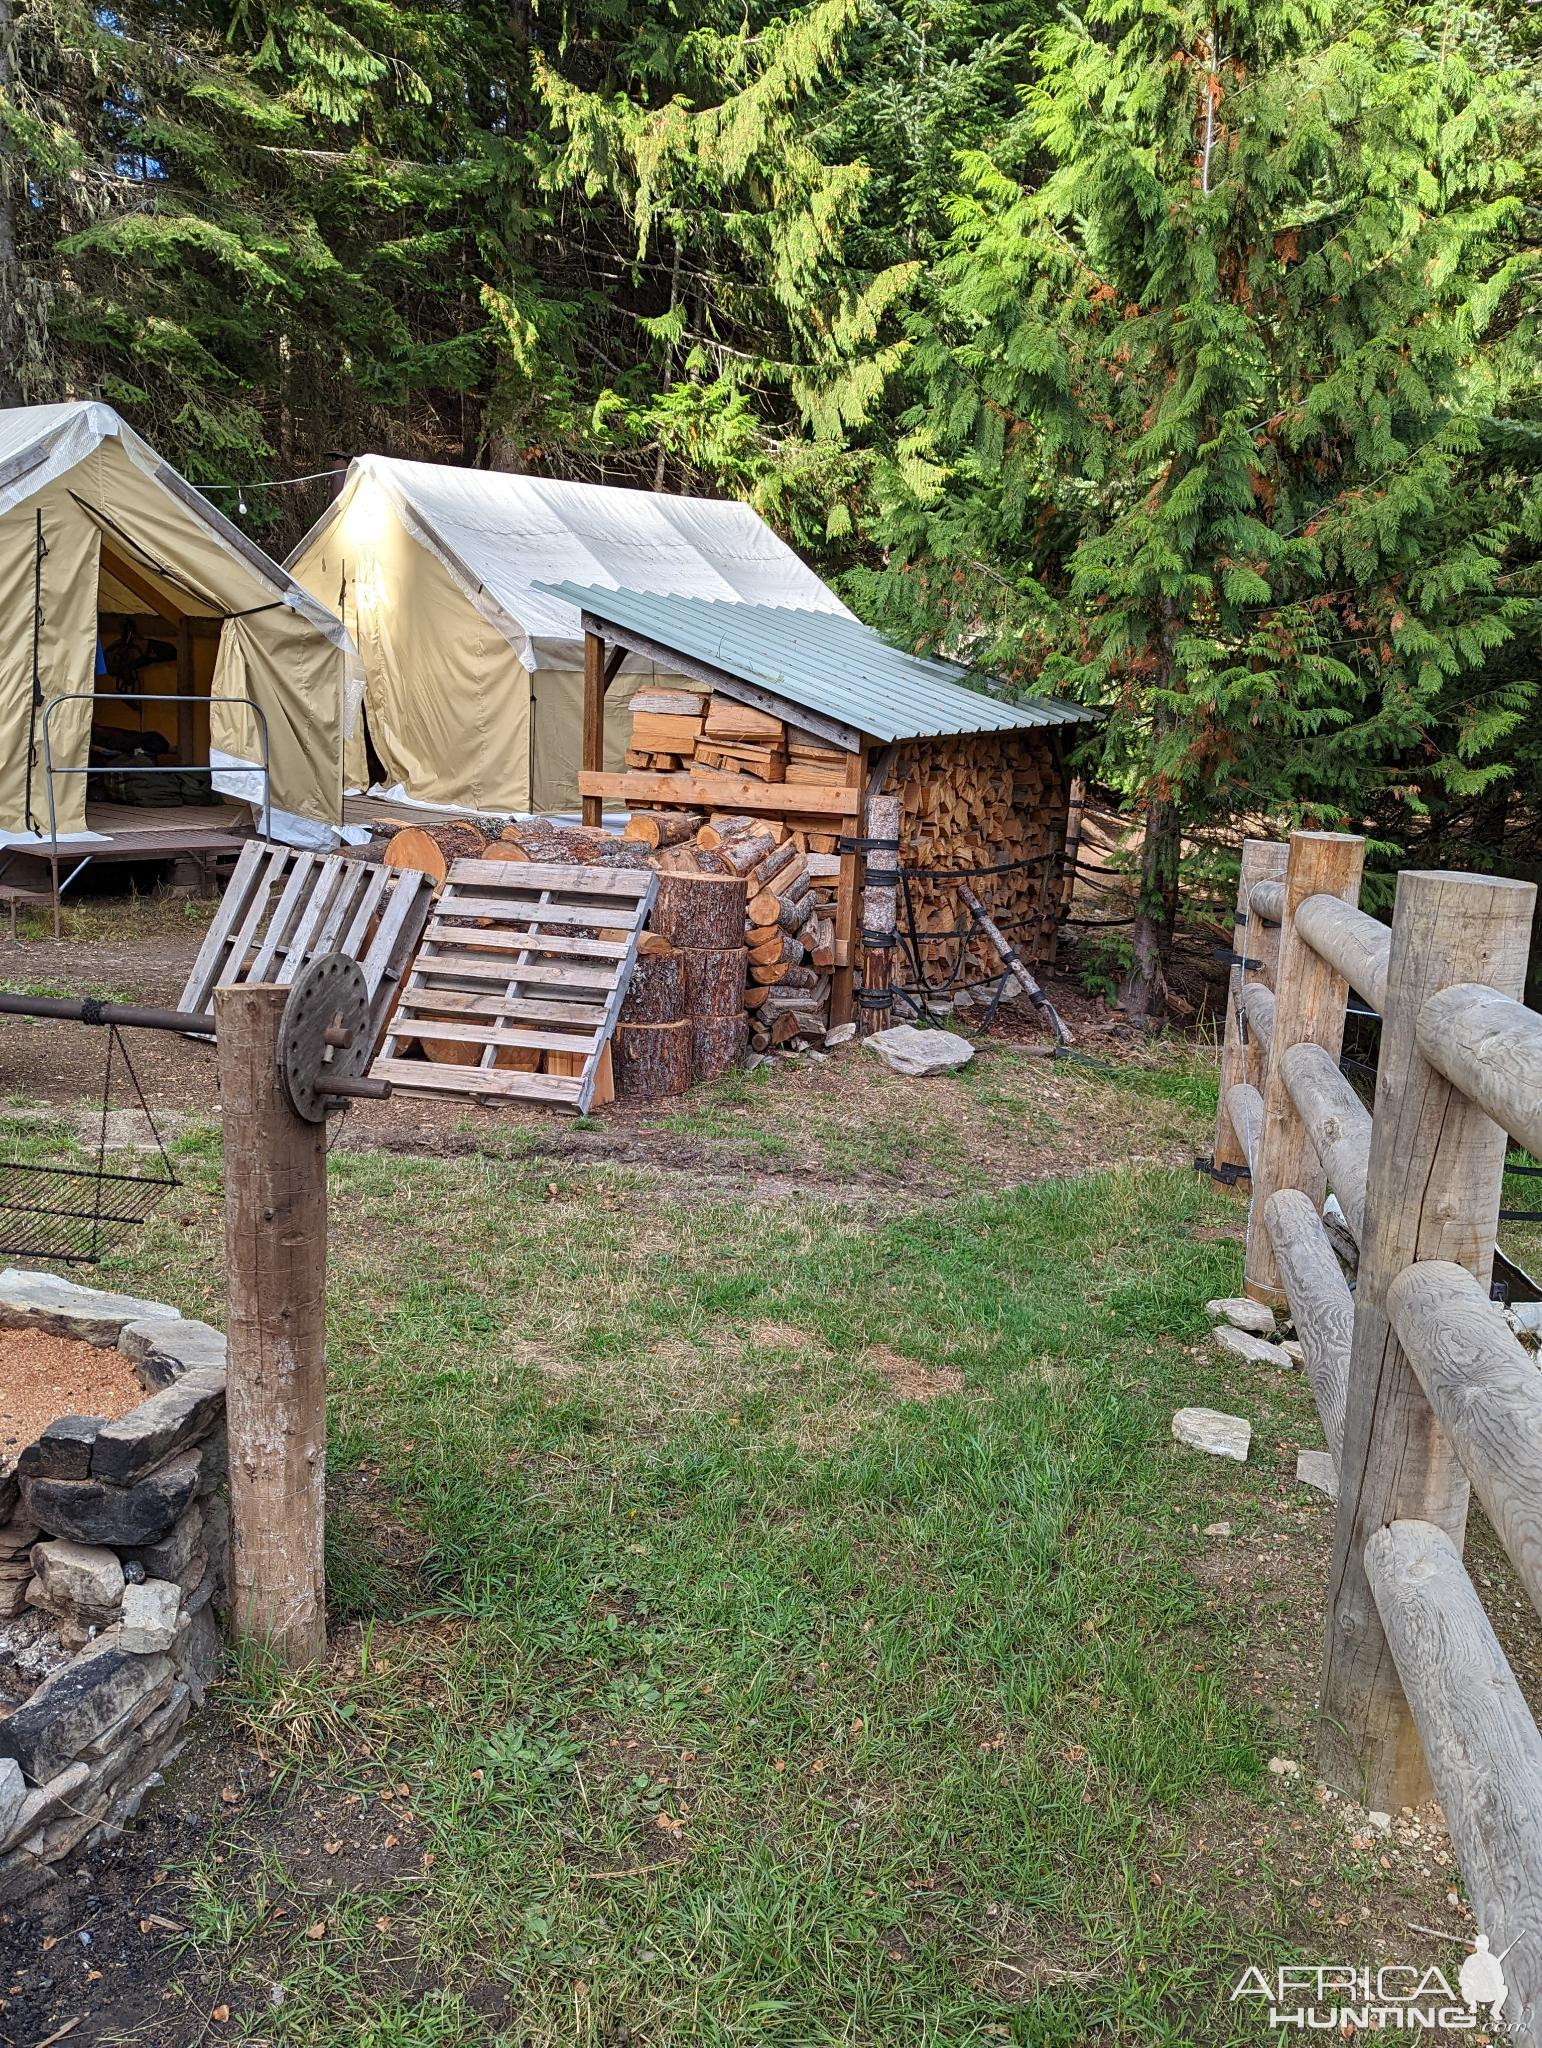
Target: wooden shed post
point(1432, 1192)
point(592, 808)
point(1309, 1002)
point(848, 907)
point(275, 1283)
point(1242, 1058)
point(880, 915)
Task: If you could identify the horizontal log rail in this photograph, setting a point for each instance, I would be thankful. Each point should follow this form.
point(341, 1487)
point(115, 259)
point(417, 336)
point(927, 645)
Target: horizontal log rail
point(1484, 1752)
point(1489, 1046)
point(1356, 945)
point(1423, 1391)
point(1245, 1107)
point(1486, 1392)
point(1267, 899)
point(1258, 1008)
point(1337, 1122)
point(1321, 1306)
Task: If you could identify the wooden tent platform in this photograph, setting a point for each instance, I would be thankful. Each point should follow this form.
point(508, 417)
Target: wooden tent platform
point(210, 835)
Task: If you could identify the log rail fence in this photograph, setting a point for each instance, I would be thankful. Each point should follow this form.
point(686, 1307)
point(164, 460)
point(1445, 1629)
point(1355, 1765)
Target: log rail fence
point(1423, 1390)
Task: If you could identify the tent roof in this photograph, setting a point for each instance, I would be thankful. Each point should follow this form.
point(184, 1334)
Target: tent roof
point(835, 666)
point(509, 539)
point(41, 443)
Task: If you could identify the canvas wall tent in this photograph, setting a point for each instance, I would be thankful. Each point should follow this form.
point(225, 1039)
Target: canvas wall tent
point(474, 674)
point(95, 527)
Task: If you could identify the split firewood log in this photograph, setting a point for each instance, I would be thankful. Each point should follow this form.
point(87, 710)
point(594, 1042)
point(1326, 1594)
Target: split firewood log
point(718, 831)
point(661, 828)
point(741, 854)
point(431, 848)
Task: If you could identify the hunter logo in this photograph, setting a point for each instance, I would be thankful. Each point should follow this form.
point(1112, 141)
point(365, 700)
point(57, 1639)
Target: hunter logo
point(1347, 1998)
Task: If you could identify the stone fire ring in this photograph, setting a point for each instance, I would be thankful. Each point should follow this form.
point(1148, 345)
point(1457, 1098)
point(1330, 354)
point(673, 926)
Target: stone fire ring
point(118, 1534)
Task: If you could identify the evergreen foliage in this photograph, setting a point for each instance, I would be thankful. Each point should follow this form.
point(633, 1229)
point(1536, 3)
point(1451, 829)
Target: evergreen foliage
point(1180, 357)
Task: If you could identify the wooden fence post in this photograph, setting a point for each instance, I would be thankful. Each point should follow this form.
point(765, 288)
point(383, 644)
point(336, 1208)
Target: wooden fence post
point(1432, 1192)
point(1241, 1056)
point(1309, 998)
point(275, 1278)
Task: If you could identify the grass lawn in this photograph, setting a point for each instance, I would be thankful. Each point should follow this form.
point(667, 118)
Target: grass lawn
point(757, 1620)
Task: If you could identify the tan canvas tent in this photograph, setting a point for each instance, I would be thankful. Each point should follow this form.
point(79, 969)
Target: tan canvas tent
point(473, 673)
point(101, 540)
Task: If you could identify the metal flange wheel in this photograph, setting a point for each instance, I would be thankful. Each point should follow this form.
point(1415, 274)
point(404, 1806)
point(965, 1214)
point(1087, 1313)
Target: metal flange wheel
point(324, 1033)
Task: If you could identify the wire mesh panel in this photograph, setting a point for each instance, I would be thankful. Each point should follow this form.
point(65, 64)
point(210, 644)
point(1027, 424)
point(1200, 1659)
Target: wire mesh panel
point(70, 1214)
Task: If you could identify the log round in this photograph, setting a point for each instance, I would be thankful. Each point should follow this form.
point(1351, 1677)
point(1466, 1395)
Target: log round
point(714, 981)
point(431, 848)
point(703, 912)
point(717, 1043)
point(661, 828)
point(656, 993)
point(652, 1059)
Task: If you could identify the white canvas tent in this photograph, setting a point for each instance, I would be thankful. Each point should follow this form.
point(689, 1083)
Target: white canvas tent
point(473, 674)
point(95, 526)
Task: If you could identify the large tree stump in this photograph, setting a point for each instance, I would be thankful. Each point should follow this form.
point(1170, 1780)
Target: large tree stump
point(704, 912)
point(714, 981)
point(717, 1043)
point(657, 991)
point(652, 1060)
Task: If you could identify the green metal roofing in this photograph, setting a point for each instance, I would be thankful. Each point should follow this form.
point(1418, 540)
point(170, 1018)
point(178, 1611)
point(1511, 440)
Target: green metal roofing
point(827, 662)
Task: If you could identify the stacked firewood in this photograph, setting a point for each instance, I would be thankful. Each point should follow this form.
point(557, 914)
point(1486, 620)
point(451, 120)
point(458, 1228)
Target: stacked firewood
point(790, 910)
point(970, 804)
point(684, 729)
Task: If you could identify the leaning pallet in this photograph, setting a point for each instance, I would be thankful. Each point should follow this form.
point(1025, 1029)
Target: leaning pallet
point(282, 909)
point(519, 981)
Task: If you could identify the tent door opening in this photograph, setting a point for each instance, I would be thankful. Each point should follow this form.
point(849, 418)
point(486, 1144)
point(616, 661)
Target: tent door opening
point(154, 665)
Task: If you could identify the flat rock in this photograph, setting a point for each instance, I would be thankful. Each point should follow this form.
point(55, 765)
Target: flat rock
point(164, 1346)
point(1242, 1344)
point(1207, 1429)
point(83, 1580)
point(1294, 1350)
point(42, 1301)
point(150, 1614)
point(125, 1517)
point(13, 1793)
point(63, 1451)
point(1242, 1314)
point(125, 1450)
point(40, 1805)
point(905, 1050)
point(1316, 1468)
point(97, 1691)
point(171, 1556)
point(838, 1034)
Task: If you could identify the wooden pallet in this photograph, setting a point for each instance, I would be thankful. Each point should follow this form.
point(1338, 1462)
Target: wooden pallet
point(518, 982)
point(283, 908)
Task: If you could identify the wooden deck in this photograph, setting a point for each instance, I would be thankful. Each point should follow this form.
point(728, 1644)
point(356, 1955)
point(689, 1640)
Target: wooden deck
point(209, 835)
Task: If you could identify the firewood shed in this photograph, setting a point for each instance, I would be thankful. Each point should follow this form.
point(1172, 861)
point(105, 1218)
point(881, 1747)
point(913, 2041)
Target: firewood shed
point(800, 718)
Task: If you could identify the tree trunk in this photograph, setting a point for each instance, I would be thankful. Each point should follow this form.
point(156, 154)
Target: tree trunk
point(1143, 994)
point(10, 279)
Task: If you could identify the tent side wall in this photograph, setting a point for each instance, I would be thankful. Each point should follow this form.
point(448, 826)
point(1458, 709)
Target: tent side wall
point(447, 698)
point(66, 655)
point(557, 730)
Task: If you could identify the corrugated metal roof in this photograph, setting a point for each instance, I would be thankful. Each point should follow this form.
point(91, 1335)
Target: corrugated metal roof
point(828, 662)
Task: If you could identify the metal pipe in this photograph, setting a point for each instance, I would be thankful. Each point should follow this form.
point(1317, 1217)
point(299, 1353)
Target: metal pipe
point(82, 1010)
point(77, 1010)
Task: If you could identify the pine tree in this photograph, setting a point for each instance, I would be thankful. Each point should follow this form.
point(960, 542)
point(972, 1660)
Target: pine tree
point(1202, 396)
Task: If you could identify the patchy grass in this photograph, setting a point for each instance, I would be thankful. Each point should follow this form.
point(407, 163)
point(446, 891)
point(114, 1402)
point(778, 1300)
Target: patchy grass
point(755, 1621)
point(753, 1625)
